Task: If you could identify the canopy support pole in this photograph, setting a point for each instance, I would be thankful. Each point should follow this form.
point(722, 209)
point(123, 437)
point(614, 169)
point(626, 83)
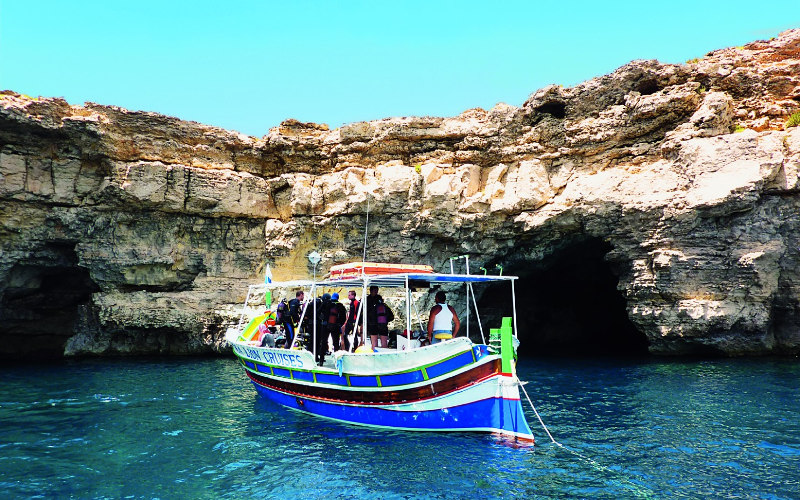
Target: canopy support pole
point(514, 307)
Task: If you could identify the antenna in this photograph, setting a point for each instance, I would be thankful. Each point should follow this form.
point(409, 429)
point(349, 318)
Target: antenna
point(366, 230)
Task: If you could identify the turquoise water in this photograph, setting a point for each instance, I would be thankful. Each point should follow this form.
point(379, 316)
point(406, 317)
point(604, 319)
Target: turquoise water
point(194, 428)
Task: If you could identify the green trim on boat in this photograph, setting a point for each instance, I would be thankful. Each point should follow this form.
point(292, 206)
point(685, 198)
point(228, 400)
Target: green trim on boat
point(506, 346)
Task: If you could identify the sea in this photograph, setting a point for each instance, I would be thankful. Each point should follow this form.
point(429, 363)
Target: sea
point(195, 428)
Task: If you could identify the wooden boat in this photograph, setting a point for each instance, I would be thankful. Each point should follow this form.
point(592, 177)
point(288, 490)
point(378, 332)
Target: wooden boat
point(454, 385)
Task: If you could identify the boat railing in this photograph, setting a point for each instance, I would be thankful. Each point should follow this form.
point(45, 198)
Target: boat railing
point(470, 293)
point(249, 310)
point(401, 280)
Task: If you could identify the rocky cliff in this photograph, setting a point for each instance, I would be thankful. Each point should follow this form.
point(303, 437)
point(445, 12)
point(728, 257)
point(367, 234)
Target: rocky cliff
point(655, 207)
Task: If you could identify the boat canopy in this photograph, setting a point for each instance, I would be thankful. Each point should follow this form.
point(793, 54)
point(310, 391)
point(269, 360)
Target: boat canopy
point(400, 280)
point(409, 281)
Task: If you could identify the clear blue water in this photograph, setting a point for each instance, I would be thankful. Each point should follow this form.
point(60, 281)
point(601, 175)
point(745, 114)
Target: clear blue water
point(194, 428)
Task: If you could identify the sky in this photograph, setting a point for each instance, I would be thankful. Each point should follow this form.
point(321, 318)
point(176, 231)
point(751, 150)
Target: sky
point(249, 65)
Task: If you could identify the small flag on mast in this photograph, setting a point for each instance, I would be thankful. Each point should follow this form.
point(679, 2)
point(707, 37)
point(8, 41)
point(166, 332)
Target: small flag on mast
point(268, 275)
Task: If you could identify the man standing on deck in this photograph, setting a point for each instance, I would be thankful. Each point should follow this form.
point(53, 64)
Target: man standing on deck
point(440, 322)
point(290, 325)
point(350, 325)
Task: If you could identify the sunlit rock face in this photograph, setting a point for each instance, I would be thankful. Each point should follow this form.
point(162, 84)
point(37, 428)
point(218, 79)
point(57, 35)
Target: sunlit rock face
point(653, 209)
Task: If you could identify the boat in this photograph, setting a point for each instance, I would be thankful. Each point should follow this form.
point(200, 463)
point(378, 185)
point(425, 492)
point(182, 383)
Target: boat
point(455, 385)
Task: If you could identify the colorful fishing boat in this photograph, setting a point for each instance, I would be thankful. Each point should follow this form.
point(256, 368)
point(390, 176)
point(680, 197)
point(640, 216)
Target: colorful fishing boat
point(454, 385)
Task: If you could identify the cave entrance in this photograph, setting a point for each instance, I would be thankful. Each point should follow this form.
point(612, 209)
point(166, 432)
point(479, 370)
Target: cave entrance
point(41, 303)
point(568, 304)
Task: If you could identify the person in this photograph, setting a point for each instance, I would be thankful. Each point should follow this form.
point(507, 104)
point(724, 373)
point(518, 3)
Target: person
point(350, 324)
point(266, 330)
point(323, 306)
point(293, 318)
point(440, 322)
point(379, 315)
point(337, 316)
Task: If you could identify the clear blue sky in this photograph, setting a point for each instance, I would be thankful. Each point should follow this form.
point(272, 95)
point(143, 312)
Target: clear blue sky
point(247, 66)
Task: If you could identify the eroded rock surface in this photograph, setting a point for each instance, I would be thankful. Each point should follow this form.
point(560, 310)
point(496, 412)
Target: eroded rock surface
point(130, 232)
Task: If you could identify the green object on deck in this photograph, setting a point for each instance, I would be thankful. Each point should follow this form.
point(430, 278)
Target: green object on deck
point(494, 337)
point(507, 323)
point(506, 345)
point(268, 298)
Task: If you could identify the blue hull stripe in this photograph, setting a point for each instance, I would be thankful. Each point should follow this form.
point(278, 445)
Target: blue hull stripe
point(491, 415)
point(282, 372)
point(402, 378)
point(324, 378)
point(263, 369)
point(363, 381)
point(301, 375)
point(449, 365)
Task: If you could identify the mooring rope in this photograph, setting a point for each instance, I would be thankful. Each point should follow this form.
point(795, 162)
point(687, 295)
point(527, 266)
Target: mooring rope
point(633, 486)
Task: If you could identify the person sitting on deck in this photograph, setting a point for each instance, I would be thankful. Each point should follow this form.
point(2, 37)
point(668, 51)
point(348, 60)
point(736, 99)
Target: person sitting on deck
point(266, 330)
point(440, 323)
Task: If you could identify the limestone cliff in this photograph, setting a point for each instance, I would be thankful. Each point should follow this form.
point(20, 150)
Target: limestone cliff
point(132, 232)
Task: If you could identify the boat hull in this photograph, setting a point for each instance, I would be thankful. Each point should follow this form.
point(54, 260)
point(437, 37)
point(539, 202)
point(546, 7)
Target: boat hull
point(453, 387)
point(477, 408)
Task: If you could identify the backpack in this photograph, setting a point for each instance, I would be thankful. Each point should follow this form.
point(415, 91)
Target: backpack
point(282, 312)
point(333, 316)
point(384, 313)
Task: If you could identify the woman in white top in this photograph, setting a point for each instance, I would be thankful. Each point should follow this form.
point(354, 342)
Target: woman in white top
point(440, 324)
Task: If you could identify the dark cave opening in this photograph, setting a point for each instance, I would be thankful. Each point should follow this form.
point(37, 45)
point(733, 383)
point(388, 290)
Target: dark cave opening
point(568, 304)
point(647, 86)
point(553, 108)
point(41, 301)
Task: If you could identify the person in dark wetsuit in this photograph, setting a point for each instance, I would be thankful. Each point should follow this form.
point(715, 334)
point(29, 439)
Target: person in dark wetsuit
point(350, 325)
point(337, 316)
point(323, 306)
point(293, 318)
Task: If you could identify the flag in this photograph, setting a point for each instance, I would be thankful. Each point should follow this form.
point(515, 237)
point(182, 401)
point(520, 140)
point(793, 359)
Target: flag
point(268, 293)
point(268, 275)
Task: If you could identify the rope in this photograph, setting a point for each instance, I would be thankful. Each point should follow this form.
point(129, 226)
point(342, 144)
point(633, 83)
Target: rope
point(633, 486)
point(537, 415)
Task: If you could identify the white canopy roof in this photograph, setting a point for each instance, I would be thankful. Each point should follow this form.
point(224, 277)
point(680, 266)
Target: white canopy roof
point(393, 280)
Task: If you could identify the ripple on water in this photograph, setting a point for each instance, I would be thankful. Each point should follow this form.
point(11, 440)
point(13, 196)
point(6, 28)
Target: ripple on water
point(195, 428)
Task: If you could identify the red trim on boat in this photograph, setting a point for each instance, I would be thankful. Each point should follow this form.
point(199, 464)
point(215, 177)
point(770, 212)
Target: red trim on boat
point(419, 393)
